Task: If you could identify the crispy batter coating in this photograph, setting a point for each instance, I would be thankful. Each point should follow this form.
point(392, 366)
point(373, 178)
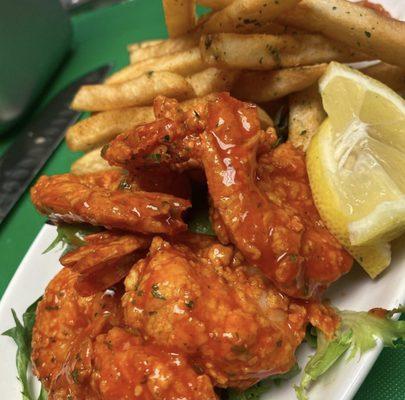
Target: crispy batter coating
point(72, 198)
point(105, 260)
point(173, 138)
point(209, 305)
point(126, 368)
point(268, 214)
point(157, 178)
point(62, 315)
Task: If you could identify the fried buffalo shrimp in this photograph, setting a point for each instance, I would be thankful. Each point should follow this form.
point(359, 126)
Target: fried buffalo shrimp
point(269, 216)
point(172, 139)
point(205, 302)
point(71, 198)
point(104, 260)
point(61, 316)
point(150, 179)
point(127, 368)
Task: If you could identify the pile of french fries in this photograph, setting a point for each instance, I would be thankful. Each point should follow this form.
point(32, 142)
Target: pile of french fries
point(259, 50)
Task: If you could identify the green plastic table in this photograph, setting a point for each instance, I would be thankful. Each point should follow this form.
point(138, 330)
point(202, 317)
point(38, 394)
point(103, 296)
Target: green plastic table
point(101, 36)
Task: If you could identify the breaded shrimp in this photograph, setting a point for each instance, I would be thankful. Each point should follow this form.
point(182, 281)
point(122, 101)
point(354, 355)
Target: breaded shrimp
point(127, 368)
point(104, 260)
point(209, 305)
point(71, 198)
point(268, 214)
point(62, 315)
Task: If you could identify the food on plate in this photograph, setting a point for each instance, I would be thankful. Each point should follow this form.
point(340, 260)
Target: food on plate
point(182, 62)
point(359, 27)
point(215, 4)
point(177, 295)
point(90, 162)
point(62, 316)
point(355, 162)
point(212, 80)
point(81, 198)
point(104, 260)
point(260, 87)
point(139, 91)
point(277, 227)
point(390, 75)
point(163, 47)
point(210, 228)
point(264, 52)
point(305, 117)
point(104, 126)
point(180, 16)
point(246, 12)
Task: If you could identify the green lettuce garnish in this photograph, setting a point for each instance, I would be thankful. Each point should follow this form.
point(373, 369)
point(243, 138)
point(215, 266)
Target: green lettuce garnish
point(71, 236)
point(358, 333)
point(198, 218)
point(22, 336)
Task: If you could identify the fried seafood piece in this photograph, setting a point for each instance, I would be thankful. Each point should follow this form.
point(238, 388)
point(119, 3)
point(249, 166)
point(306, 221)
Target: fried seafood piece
point(72, 198)
point(104, 260)
point(202, 300)
point(127, 368)
point(266, 209)
point(62, 316)
point(156, 178)
point(173, 138)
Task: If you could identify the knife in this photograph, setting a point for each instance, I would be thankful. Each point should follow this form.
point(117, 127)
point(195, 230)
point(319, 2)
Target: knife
point(38, 139)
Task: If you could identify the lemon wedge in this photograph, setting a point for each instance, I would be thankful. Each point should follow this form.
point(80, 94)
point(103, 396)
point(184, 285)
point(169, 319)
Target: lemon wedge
point(356, 165)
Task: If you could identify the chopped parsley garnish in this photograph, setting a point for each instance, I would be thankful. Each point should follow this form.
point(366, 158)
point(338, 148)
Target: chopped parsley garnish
point(189, 303)
point(124, 185)
point(156, 292)
point(75, 376)
point(154, 157)
point(208, 42)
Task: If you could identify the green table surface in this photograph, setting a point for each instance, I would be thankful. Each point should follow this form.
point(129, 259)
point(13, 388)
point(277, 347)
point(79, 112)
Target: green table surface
point(101, 36)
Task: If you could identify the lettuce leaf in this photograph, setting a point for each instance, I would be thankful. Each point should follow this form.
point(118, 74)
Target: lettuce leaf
point(198, 220)
point(21, 333)
point(358, 333)
point(71, 236)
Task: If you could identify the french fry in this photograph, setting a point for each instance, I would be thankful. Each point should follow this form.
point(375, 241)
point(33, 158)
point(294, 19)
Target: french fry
point(164, 48)
point(102, 127)
point(305, 117)
point(390, 75)
point(215, 4)
point(105, 126)
point(212, 80)
point(90, 162)
point(264, 52)
point(356, 26)
point(136, 92)
point(266, 86)
point(180, 16)
point(145, 44)
point(184, 63)
point(246, 12)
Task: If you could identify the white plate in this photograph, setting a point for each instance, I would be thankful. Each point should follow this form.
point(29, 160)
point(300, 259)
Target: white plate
point(355, 291)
